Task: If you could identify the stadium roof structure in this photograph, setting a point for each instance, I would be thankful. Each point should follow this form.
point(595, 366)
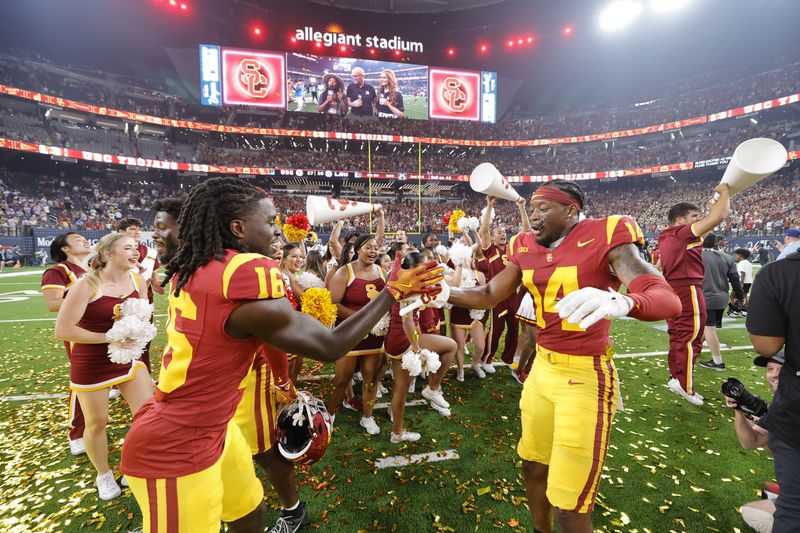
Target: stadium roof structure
point(407, 6)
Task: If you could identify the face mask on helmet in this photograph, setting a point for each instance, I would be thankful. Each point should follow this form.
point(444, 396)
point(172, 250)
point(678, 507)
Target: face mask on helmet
point(303, 429)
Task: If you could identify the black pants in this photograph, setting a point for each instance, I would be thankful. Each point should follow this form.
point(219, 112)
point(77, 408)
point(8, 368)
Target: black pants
point(787, 470)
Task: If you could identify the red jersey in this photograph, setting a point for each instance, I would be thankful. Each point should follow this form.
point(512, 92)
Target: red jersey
point(429, 320)
point(496, 260)
point(359, 291)
point(581, 260)
point(62, 275)
point(182, 429)
point(681, 255)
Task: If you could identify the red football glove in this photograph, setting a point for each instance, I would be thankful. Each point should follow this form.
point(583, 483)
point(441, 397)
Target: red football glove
point(418, 280)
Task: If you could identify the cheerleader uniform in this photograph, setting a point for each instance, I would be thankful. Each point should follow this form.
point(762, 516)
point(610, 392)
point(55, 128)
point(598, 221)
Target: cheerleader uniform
point(359, 293)
point(397, 342)
point(90, 368)
point(429, 320)
point(292, 300)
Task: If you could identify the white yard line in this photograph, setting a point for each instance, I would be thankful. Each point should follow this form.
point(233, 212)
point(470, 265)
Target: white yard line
point(41, 320)
point(397, 461)
point(20, 274)
point(651, 354)
point(26, 397)
point(412, 403)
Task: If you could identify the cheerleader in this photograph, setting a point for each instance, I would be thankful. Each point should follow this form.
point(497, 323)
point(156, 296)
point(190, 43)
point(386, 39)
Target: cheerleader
point(405, 333)
point(292, 261)
point(88, 312)
point(353, 286)
point(464, 322)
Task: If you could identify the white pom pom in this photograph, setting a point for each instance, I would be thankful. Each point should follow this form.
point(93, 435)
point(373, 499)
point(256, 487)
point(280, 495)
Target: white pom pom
point(382, 327)
point(476, 314)
point(491, 216)
point(130, 328)
point(468, 280)
point(431, 360)
point(460, 254)
point(308, 280)
point(441, 249)
point(468, 223)
point(136, 307)
point(411, 363)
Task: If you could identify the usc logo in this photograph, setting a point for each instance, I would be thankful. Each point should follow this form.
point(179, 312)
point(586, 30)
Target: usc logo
point(253, 78)
point(117, 312)
point(372, 291)
point(454, 95)
point(504, 257)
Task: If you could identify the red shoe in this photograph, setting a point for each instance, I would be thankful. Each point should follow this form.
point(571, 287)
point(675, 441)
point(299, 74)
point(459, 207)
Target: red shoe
point(354, 404)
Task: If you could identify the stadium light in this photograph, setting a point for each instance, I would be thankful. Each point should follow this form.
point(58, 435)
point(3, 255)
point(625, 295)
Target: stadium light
point(451, 52)
point(184, 7)
point(530, 40)
point(397, 53)
point(294, 39)
point(567, 30)
point(619, 14)
point(372, 51)
point(318, 44)
point(173, 3)
point(256, 31)
point(519, 41)
point(668, 6)
point(343, 48)
point(483, 48)
point(510, 43)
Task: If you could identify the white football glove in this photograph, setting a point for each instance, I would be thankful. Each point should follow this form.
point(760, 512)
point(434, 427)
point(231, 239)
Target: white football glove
point(418, 300)
point(588, 306)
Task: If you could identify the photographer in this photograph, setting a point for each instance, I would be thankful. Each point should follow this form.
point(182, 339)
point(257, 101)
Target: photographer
point(757, 514)
point(773, 322)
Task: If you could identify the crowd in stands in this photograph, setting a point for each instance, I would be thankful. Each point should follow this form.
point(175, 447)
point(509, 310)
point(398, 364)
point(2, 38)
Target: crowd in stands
point(29, 201)
point(694, 97)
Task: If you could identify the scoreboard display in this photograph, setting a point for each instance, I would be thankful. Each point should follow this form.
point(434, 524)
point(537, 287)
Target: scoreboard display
point(296, 82)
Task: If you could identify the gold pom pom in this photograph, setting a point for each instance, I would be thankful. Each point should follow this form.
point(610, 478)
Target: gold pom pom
point(294, 234)
point(453, 224)
point(317, 302)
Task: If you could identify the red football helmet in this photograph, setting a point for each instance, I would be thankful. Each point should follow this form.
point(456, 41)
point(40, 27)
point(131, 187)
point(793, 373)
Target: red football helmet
point(304, 429)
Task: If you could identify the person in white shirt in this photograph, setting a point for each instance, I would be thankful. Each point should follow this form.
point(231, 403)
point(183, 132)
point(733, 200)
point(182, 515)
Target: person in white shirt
point(745, 269)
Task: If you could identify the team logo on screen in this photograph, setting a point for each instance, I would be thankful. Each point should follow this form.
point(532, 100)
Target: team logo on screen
point(253, 78)
point(454, 94)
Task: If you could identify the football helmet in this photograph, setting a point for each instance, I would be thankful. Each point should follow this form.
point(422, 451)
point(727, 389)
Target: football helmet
point(304, 429)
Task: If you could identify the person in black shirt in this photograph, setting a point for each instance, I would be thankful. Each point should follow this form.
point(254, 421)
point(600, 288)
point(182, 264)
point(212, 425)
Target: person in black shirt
point(360, 96)
point(332, 100)
point(390, 100)
point(773, 322)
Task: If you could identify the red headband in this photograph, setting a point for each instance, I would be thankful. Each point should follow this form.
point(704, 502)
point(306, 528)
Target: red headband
point(555, 195)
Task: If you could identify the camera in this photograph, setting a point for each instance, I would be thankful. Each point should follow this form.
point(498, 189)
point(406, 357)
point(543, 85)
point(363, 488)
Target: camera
point(750, 404)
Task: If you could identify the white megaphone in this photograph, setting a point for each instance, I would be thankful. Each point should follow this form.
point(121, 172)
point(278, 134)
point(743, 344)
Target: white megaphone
point(322, 209)
point(753, 161)
point(486, 179)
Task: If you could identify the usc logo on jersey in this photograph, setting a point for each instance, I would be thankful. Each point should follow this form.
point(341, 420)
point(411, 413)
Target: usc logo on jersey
point(117, 311)
point(372, 291)
point(504, 257)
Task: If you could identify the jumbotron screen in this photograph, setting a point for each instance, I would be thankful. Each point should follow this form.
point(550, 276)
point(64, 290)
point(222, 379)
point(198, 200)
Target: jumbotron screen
point(344, 86)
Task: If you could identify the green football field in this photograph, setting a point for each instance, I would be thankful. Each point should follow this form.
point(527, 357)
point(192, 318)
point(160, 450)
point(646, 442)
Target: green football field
point(670, 466)
point(414, 108)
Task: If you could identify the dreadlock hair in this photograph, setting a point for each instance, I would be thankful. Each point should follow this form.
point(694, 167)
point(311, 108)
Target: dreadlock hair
point(412, 259)
point(204, 224)
point(56, 252)
point(171, 206)
point(571, 188)
point(360, 242)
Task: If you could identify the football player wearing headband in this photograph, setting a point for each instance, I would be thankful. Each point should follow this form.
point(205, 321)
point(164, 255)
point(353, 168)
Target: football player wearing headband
point(572, 269)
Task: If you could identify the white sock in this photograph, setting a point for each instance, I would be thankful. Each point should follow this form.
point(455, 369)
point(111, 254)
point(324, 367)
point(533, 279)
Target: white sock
point(717, 359)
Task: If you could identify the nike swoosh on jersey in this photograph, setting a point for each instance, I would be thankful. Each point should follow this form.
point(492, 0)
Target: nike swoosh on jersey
point(570, 382)
point(582, 244)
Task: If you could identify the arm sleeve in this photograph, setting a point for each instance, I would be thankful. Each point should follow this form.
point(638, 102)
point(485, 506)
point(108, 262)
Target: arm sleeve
point(278, 364)
point(765, 316)
point(252, 277)
point(686, 233)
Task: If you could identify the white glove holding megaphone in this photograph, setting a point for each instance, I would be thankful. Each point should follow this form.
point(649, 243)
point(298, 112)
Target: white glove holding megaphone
point(589, 305)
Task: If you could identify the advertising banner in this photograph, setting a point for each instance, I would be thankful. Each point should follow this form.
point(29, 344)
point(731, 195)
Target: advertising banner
point(210, 80)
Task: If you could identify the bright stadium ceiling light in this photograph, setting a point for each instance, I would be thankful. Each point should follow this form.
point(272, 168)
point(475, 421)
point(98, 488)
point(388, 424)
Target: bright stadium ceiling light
point(619, 14)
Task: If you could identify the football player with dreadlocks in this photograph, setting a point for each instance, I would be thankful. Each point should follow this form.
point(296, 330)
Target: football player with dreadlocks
point(187, 463)
point(569, 400)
